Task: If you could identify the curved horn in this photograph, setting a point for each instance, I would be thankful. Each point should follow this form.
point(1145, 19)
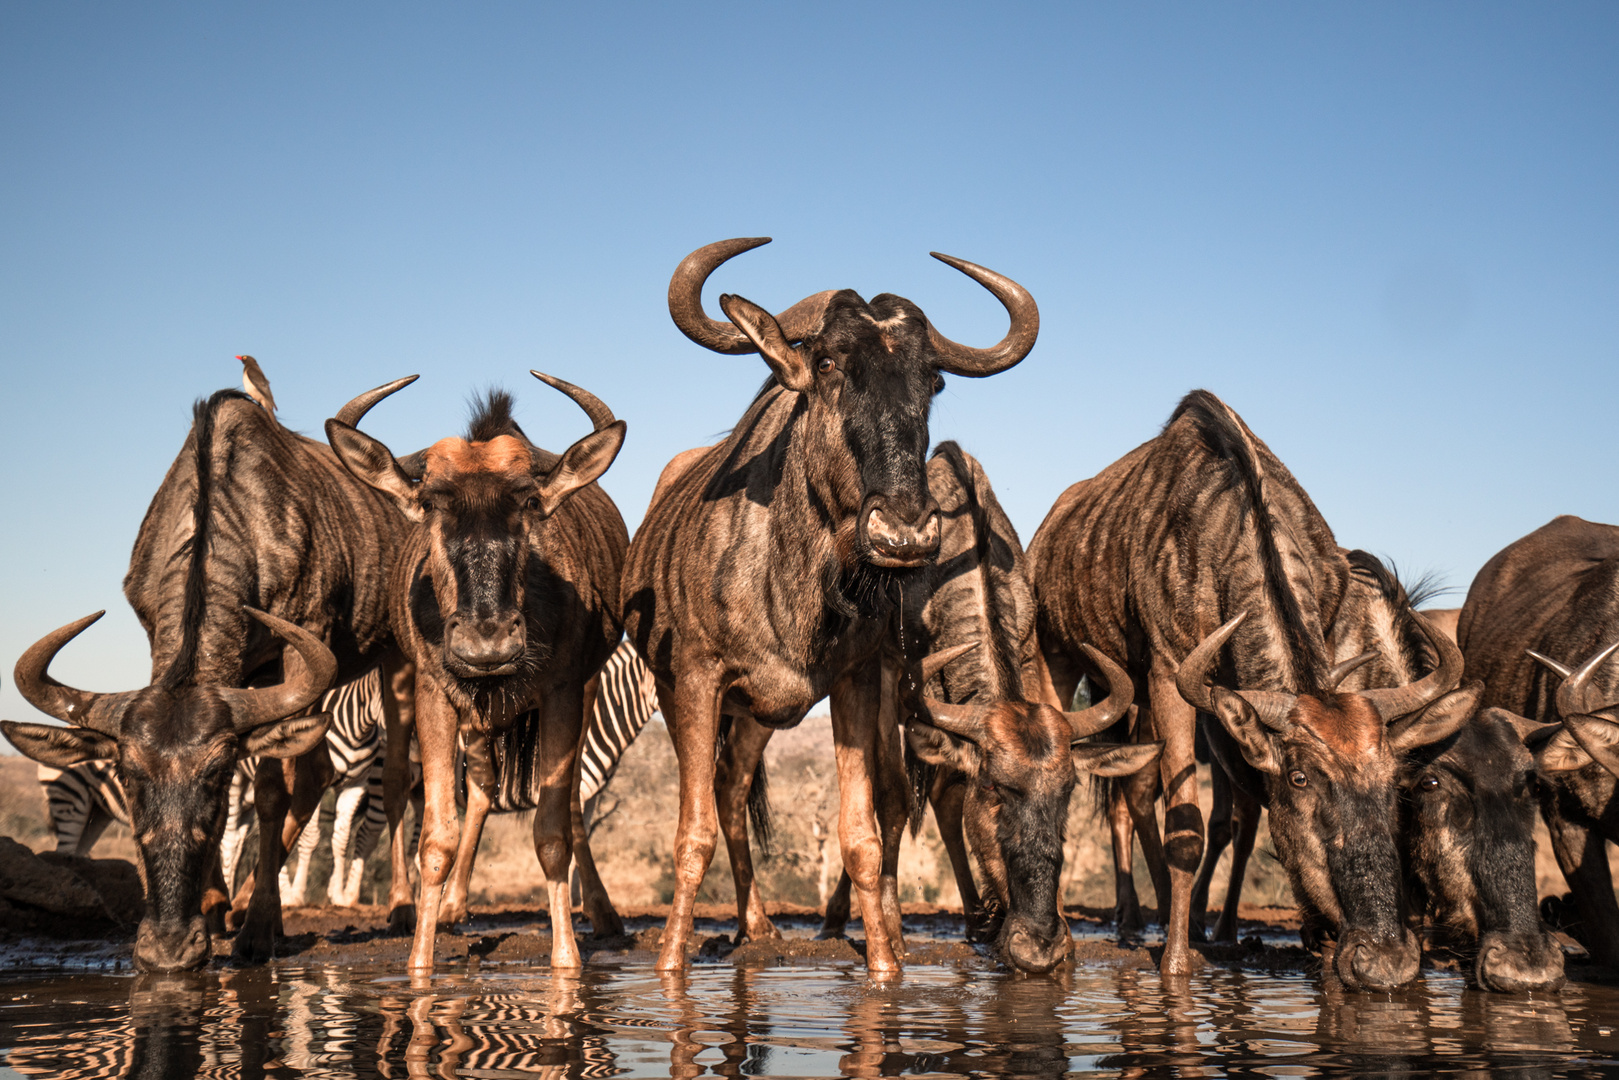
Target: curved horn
point(976, 363)
point(1575, 696)
point(1550, 665)
point(594, 407)
point(1393, 703)
point(253, 708)
point(352, 413)
point(99, 712)
point(686, 301)
point(965, 721)
point(1341, 670)
point(1192, 681)
point(1193, 677)
point(1120, 693)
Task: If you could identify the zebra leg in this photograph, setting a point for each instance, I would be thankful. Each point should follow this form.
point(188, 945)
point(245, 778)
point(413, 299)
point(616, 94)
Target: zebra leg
point(454, 907)
point(399, 721)
point(349, 801)
point(733, 780)
point(295, 885)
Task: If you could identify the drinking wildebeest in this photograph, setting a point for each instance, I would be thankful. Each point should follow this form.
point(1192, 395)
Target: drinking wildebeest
point(1466, 819)
point(1203, 526)
point(1555, 592)
point(505, 596)
point(249, 513)
point(989, 758)
point(761, 577)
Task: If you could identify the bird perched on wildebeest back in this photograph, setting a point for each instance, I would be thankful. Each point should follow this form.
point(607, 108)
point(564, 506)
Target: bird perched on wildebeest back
point(257, 383)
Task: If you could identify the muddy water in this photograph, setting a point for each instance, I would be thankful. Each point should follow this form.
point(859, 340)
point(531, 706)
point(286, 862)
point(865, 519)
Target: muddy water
point(796, 1020)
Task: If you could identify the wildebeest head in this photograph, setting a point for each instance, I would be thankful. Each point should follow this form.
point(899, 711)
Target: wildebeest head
point(1589, 716)
point(484, 501)
point(1469, 814)
point(1331, 762)
point(1021, 761)
point(867, 373)
point(175, 747)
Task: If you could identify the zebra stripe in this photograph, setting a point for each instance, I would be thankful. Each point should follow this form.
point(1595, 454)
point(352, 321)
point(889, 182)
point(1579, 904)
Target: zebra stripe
point(626, 700)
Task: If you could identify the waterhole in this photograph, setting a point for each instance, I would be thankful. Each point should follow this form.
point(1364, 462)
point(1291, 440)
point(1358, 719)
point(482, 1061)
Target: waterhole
point(793, 1020)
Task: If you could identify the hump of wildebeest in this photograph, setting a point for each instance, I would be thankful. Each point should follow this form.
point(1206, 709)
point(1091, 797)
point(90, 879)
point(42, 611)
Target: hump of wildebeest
point(1186, 530)
point(978, 588)
point(252, 513)
point(1378, 615)
point(1555, 591)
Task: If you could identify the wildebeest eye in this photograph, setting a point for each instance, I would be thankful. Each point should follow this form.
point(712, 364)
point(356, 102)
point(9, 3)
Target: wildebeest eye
point(1429, 783)
point(1297, 778)
point(531, 503)
point(826, 364)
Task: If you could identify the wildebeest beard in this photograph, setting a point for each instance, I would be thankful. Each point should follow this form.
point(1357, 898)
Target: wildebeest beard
point(498, 698)
point(864, 591)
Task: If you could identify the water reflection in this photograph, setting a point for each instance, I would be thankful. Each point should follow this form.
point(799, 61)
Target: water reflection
point(788, 1021)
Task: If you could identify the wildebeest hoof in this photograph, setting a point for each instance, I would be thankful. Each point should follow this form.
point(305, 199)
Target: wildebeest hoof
point(252, 950)
point(402, 921)
point(1196, 932)
point(831, 933)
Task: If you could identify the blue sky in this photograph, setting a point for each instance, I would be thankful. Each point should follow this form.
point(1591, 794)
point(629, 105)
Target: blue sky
point(1386, 234)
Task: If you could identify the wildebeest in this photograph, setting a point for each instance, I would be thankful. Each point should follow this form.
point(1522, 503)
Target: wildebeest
point(1466, 813)
point(249, 514)
point(1555, 592)
point(989, 759)
point(1203, 526)
point(505, 596)
point(761, 577)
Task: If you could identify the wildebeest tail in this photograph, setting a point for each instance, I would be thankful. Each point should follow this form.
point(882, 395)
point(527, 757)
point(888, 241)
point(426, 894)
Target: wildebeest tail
point(184, 668)
point(1226, 435)
point(764, 833)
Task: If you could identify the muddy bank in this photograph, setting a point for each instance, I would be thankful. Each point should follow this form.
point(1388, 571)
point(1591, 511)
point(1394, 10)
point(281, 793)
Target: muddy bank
point(505, 934)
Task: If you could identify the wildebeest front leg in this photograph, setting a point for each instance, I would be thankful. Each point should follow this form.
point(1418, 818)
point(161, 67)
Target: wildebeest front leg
point(947, 796)
point(453, 908)
point(1175, 722)
point(692, 712)
point(1582, 855)
point(1245, 811)
point(855, 705)
point(286, 794)
point(399, 728)
point(604, 920)
point(436, 728)
point(733, 782)
point(561, 721)
point(1220, 824)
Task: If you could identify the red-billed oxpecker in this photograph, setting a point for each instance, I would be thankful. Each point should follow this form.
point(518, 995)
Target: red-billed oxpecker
point(763, 577)
point(506, 597)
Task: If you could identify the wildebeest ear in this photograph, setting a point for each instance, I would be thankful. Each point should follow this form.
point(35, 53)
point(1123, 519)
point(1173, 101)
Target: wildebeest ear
point(1598, 734)
point(1438, 721)
point(1245, 726)
point(941, 748)
point(1561, 753)
point(60, 747)
point(581, 464)
point(1115, 759)
point(286, 738)
point(790, 365)
point(368, 460)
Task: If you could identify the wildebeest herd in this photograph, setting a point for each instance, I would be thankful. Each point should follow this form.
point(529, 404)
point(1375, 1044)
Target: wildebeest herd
point(1188, 601)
